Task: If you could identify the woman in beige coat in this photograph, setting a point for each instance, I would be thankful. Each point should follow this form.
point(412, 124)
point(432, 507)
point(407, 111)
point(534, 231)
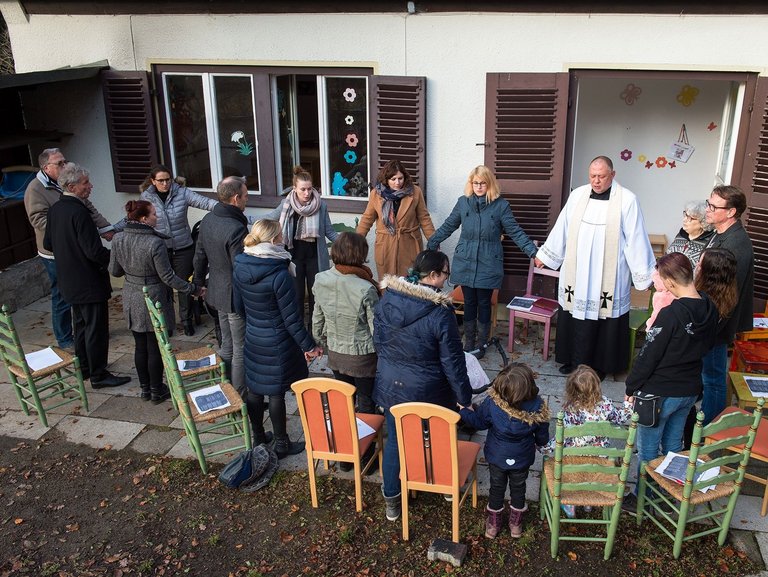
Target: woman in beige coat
point(400, 212)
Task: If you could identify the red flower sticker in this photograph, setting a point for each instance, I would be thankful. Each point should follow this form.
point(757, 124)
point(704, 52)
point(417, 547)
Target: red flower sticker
point(626, 154)
point(661, 162)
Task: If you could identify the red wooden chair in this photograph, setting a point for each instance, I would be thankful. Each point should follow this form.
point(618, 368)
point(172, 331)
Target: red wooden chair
point(536, 314)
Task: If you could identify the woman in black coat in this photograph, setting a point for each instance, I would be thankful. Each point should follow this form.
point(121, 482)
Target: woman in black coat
point(277, 345)
point(420, 353)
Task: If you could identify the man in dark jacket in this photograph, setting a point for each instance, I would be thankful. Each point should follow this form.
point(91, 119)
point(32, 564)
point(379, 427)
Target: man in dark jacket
point(82, 273)
point(219, 242)
point(725, 206)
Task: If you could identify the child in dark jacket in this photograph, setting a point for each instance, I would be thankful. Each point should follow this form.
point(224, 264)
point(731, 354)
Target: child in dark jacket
point(517, 420)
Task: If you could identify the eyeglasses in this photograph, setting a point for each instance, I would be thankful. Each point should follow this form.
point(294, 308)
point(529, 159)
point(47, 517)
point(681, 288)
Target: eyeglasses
point(59, 163)
point(446, 272)
point(687, 216)
point(479, 183)
point(712, 208)
point(163, 180)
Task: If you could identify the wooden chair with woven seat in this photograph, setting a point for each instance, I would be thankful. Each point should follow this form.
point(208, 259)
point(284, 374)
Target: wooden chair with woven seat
point(759, 448)
point(591, 476)
point(432, 459)
point(232, 420)
point(193, 378)
point(330, 426)
point(43, 389)
point(672, 506)
point(538, 314)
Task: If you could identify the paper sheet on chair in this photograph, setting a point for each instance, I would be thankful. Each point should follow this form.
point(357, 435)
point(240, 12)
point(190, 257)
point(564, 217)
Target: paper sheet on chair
point(674, 466)
point(758, 386)
point(760, 322)
point(191, 364)
point(41, 359)
point(209, 399)
point(363, 428)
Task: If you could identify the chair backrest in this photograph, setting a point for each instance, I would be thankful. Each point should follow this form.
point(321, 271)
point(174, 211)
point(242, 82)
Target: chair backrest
point(593, 468)
point(327, 413)
point(533, 271)
point(426, 436)
point(158, 318)
point(727, 460)
point(175, 381)
point(10, 345)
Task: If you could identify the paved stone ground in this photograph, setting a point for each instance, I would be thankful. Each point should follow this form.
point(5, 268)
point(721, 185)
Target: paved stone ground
point(119, 418)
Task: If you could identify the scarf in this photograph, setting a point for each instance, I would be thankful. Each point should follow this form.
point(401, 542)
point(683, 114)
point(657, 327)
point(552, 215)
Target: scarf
point(269, 250)
point(47, 181)
point(388, 198)
point(361, 271)
point(309, 218)
point(610, 252)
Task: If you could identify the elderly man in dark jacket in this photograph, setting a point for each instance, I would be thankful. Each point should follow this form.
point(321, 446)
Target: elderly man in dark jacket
point(219, 242)
point(82, 273)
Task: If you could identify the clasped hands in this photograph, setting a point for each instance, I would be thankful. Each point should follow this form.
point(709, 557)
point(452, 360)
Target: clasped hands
point(313, 354)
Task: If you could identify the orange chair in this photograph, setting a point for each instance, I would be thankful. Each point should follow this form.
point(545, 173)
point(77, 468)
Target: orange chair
point(432, 459)
point(330, 429)
point(755, 334)
point(458, 302)
point(759, 449)
point(536, 314)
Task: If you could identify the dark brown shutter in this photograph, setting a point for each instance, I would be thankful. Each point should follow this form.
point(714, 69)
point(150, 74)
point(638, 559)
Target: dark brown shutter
point(398, 124)
point(130, 125)
point(526, 118)
point(754, 182)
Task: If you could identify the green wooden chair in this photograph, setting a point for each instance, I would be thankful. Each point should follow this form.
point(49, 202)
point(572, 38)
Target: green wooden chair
point(210, 433)
point(194, 378)
point(42, 389)
point(586, 476)
point(672, 507)
point(637, 320)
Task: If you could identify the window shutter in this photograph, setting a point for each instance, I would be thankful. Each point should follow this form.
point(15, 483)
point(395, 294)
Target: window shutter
point(131, 128)
point(754, 183)
point(398, 125)
point(526, 119)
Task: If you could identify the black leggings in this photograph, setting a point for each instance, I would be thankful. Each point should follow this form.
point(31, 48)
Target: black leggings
point(477, 304)
point(149, 363)
point(305, 258)
point(255, 404)
point(364, 392)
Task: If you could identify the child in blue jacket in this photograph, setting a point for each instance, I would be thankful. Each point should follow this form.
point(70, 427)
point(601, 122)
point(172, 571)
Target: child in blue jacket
point(517, 420)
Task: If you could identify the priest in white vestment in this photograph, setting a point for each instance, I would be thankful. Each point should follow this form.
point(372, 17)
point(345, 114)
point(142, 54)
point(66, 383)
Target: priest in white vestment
point(601, 247)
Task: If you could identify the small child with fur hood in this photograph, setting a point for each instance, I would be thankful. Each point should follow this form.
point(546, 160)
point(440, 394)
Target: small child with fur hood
point(517, 419)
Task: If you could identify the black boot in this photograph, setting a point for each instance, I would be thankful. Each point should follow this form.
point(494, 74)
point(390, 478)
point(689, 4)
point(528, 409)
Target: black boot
point(285, 447)
point(146, 393)
point(160, 393)
point(470, 335)
point(483, 334)
point(189, 328)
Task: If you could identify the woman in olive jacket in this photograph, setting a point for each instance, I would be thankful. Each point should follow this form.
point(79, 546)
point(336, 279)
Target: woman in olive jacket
point(478, 263)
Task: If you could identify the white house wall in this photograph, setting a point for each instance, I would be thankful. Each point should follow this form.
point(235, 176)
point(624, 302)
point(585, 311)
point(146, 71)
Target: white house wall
point(454, 52)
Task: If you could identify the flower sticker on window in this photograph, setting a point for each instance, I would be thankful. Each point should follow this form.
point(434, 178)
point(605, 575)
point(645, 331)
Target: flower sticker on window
point(352, 139)
point(630, 94)
point(672, 164)
point(626, 154)
point(338, 184)
point(349, 119)
point(661, 161)
point(648, 164)
point(642, 158)
point(687, 95)
point(350, 156)
point(711, 126)
point(244, 148)
point(350, 95)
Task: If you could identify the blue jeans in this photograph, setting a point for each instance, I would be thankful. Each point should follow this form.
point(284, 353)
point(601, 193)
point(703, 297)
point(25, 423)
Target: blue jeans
point(477, 304)
point(714, 372)
point(61, 312)
point(391, 461)
point(668, 433)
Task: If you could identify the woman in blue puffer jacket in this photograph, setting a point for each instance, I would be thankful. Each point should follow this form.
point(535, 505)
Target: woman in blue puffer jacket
point(478, 263)
point(277, 345)
point(420, 355)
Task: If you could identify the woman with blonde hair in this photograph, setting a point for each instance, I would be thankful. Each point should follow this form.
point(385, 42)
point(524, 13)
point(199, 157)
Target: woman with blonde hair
point(398, 208)
point(276, 342)
point(305, 225)
point(478, 261)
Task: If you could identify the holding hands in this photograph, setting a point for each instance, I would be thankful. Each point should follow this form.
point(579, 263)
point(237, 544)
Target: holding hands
point(313, 354)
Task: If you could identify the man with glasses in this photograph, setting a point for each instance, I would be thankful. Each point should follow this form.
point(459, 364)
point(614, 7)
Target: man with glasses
point(600, 245)
point(42, 192)
point(725, 206)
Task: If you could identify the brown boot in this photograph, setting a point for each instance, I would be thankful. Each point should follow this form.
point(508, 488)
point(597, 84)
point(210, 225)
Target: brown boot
point(516, 521)
point(492, 522)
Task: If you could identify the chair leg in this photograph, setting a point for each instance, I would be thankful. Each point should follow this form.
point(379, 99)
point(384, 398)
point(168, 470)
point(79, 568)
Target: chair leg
point(614, 524)
point(474, 485)
point(38, 403)
point(547, 326)
point(542, 496)
point(642, 485)
point(680, 529)
point(312, 479)
point(455, 515)
point(358, 486)
point(511, 340)
point(194, 441)
point(404, 509)
point(555, 526)
point(764, 508)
